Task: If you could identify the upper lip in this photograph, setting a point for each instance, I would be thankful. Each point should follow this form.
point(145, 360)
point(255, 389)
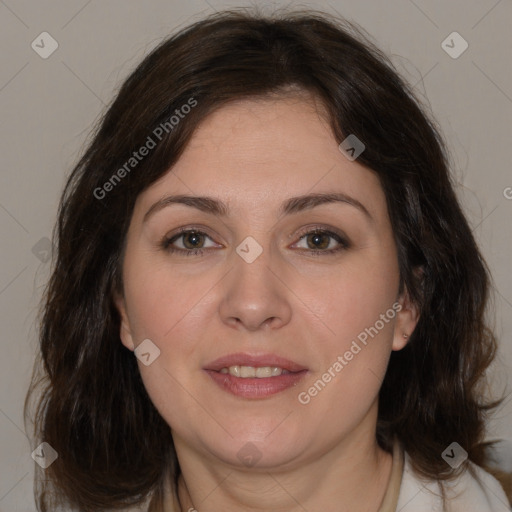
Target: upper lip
point(243, 359)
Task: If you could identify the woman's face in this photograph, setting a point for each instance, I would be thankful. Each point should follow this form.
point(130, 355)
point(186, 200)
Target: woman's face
point(264, 286)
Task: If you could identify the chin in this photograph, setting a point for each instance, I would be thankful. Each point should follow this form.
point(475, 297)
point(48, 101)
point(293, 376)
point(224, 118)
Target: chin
point(254, 449)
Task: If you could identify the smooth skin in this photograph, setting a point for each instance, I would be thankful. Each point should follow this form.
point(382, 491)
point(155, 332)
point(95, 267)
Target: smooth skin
point(253, 155)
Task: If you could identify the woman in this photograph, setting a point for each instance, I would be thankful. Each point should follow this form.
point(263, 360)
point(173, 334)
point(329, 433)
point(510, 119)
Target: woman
point(266, 295)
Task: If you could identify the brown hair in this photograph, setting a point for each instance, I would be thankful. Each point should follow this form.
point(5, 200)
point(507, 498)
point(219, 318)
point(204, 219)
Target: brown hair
point(94, 410)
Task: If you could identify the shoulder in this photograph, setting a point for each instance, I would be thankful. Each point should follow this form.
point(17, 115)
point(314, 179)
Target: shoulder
point(473, 490)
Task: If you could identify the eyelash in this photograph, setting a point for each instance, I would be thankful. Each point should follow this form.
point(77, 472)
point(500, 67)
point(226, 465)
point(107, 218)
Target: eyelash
point(344, 244)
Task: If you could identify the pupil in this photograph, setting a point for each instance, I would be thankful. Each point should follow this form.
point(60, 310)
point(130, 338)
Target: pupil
point(316, 238)
point(192, 235)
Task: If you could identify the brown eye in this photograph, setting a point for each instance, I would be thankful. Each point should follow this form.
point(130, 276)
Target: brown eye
point(189, 242)
point(318, 240)
point(321, 241)
point(192, 239)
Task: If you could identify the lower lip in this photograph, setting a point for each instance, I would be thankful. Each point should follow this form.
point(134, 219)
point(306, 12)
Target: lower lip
point(254, 387)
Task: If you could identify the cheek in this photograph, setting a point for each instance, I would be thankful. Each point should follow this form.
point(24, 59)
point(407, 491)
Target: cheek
point(168, 309)
point(162, 301)
point(358, 311)
point(354, 295)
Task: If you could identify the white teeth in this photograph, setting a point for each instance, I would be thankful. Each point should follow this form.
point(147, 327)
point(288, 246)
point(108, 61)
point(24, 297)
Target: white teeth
point(247, 371)
point(266, 371)
point(262, 372)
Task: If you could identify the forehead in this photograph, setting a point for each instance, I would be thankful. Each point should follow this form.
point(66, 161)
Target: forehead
point(254, 152)
point(264, 131)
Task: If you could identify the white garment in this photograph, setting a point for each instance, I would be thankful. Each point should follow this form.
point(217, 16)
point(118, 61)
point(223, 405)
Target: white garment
point(464, 494)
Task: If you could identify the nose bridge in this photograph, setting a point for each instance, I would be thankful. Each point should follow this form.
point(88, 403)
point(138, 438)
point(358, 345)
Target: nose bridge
point(253, 294)
point(251, 267)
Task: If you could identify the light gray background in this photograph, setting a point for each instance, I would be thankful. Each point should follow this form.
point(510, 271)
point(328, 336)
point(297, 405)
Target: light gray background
point(48, 106)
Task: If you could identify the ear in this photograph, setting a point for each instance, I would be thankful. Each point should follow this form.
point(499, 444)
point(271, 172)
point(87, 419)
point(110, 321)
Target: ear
point(406, 319)
point(125, 331)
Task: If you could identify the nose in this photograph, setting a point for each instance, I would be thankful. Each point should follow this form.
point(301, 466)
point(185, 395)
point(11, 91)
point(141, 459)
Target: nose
point(255, 295)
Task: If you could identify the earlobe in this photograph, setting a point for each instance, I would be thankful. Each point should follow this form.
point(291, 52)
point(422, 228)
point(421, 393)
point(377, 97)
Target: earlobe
point(124, 330)
point(407, 318)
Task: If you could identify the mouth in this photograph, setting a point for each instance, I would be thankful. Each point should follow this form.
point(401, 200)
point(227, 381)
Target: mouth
point(260, 372)
point(255, 376)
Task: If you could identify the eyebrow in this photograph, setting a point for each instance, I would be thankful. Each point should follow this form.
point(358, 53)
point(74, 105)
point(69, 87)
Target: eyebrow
point(292, 205)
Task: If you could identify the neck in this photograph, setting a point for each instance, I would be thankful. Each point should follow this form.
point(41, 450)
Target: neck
point(333, 481)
